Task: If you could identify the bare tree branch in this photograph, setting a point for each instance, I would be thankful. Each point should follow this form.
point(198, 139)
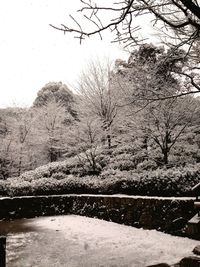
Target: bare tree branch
point(179, 16)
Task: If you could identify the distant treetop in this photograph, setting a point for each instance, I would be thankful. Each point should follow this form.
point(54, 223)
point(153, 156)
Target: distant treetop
point(56, 92)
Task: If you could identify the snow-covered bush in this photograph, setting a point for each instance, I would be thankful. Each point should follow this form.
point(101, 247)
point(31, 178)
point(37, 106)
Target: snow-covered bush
point(160, 182)
point(3, 187)
point(108, 173)
point(147, 165)
point(19, 188)
point(58, 175)
point(123, 149)
point(122, 162)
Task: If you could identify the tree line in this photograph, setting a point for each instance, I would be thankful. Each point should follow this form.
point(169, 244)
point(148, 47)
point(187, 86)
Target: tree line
point(142, 108)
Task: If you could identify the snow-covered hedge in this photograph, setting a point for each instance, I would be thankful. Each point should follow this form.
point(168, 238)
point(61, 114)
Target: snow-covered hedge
point(55, 178)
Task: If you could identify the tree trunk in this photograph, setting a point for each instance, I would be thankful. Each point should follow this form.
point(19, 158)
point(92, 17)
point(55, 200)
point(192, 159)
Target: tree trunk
point(20, 161)
point(165, 156)
point(145, 143)
point(109, 141)
point(52, 155)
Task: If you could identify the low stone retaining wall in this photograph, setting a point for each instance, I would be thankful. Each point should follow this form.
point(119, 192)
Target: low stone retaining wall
point(165, 214)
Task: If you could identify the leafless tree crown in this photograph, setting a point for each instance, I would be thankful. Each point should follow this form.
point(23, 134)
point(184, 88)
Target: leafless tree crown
point(181, 17)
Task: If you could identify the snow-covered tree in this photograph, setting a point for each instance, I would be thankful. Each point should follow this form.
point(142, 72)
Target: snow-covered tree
point(150, 87)
point(86, 137)
point(56, 92)
point(97, 96)
point(52, 125)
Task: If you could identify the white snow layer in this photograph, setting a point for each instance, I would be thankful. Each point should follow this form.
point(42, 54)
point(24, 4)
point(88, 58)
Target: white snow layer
point(92, 242)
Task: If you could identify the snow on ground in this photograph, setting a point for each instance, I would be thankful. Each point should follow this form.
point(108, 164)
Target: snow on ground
point(107, 196)
point(75, 241)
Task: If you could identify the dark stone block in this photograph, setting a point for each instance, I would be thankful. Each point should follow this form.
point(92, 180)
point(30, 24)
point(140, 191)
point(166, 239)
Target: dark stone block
point(196, 250)
point(192, 261)
point(177, 224)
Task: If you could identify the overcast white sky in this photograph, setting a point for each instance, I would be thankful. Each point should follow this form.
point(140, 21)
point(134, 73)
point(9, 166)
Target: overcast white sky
point(32, 53)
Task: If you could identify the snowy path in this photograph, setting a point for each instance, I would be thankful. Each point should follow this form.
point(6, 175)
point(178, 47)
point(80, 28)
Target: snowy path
point(75, 241)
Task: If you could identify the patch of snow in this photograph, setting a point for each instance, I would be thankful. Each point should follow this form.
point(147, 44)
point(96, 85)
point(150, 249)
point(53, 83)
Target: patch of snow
point(94, 195)
point(94, 242)
point(136, 197)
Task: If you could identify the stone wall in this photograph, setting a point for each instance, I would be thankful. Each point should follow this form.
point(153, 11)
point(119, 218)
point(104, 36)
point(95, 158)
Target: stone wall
point(165, 214)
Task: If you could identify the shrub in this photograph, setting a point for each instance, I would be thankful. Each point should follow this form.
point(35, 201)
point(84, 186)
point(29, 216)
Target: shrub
point(3, 187)
point(58, 175)
point(160, 182)
point(146, 165)
point(123, 162)
point(123, 149)
point(45, 186)
point(19, 188)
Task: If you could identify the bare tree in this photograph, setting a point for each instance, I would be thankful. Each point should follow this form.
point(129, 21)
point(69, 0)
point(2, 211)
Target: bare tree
point(97, 96)
point(52, 125)
point(5, 147)
point(86, 140)
point(165, 121)
point(24, 128)
point(16, 131)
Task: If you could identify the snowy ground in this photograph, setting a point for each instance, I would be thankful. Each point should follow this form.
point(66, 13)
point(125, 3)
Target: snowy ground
point(75, 241)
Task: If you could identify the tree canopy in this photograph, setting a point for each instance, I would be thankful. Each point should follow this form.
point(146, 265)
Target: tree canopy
point(56, 92)
point(155, 73)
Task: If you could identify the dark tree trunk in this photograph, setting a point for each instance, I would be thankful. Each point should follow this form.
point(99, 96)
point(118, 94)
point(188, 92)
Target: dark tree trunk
point(20, 162)
point(53, 156)
point(165, 156)
point(145, 143)
point(109, 141)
